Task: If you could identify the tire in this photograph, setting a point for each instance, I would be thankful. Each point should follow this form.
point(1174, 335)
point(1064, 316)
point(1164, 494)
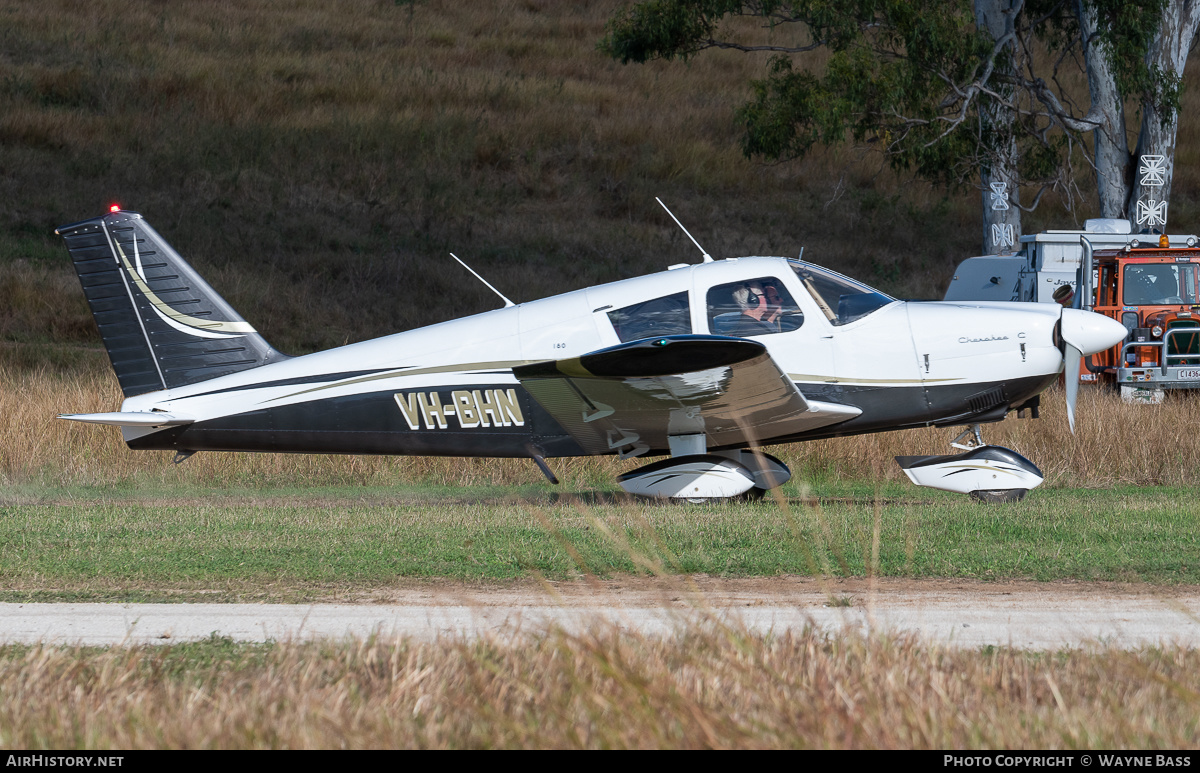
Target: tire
point(999, 496)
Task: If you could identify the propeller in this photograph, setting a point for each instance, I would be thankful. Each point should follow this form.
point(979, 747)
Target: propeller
point(1072, 350)
point(1084, 332)
point(1071, 359)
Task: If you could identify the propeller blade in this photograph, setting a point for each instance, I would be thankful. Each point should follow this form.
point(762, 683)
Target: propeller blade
point(1084, 332)
point(1071, 360)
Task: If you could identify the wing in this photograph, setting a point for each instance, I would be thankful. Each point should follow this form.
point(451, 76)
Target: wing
point(632, 397)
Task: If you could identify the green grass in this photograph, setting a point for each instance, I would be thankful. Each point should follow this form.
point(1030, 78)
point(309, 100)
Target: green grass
point(76, 544)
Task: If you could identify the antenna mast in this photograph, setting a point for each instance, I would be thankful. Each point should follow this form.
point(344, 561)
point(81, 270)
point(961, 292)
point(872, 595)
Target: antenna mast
point(707, 257)
point(507, 302)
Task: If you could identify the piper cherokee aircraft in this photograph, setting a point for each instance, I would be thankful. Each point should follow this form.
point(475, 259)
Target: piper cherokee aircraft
point(702, 363)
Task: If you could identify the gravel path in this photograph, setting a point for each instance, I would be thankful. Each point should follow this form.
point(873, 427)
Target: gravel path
point(958, 613)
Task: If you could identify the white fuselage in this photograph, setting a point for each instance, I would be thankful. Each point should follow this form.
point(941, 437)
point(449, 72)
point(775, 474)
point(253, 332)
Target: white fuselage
point(915, 348)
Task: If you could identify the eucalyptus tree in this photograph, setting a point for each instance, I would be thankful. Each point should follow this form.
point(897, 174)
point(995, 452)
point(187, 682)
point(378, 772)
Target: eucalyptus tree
point(960, 92)
point(1173, 39)
point(1134, 52)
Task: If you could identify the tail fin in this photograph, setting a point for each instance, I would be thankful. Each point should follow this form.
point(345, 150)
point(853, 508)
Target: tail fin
point(162, 324)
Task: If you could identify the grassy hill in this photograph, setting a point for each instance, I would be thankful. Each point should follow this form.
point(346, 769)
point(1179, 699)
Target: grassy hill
point(318, 160)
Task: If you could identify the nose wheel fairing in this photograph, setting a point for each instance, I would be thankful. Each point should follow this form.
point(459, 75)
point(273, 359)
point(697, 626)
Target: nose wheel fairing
point(987, 473)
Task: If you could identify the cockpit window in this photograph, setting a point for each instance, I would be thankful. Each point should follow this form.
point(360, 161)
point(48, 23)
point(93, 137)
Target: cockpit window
point(841, 299)
point(1159, 283)
point(669, 315)
point(752, 308)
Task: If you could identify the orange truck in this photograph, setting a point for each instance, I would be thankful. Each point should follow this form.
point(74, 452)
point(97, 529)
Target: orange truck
point(1153, 289)
point(1148, 283)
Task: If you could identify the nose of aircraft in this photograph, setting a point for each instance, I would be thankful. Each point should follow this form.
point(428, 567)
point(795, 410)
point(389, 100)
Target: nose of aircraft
point(1089, 332)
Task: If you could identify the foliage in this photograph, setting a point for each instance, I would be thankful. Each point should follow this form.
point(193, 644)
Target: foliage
point(1126, 29)
point(888, 64)
point(920, 81)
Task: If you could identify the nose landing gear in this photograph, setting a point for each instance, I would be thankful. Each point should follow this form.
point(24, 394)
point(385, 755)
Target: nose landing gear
point(992, 474)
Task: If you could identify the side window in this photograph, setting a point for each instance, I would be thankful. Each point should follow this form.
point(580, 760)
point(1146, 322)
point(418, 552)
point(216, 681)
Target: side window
point(669, 315)
point(752, 308)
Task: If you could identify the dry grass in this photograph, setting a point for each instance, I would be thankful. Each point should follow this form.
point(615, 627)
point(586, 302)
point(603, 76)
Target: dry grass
point(317, 160)
point(1114, 443)
point(706, 687)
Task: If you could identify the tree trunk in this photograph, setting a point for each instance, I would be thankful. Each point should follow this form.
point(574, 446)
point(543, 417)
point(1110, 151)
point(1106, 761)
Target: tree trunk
point(1112, 158)
point(998, 164)
point(1001, 210)
point(1156, 141)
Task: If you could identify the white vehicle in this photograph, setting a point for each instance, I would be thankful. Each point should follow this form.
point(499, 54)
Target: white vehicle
point(1047, 262)
point(703, 363)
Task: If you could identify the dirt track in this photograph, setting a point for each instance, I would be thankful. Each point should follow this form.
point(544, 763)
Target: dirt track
point(956, 612)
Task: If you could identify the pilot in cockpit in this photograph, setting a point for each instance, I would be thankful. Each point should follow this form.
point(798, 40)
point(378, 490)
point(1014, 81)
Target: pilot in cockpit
point(761, 308)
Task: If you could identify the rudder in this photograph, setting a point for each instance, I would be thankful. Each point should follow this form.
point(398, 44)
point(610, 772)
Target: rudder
point(162, 324)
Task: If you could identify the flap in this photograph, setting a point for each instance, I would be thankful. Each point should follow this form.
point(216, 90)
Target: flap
point(632, 397)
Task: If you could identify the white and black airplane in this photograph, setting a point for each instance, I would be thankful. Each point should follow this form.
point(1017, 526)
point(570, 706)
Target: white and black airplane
point(703, 363)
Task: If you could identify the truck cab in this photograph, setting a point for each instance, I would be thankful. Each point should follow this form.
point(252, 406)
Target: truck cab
point(1154, 291)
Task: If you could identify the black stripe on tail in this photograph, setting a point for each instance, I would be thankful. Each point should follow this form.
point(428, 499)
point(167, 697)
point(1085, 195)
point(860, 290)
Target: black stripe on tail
point(163, 326)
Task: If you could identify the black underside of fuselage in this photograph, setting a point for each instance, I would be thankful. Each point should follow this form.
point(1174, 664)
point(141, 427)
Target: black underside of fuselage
point(887, 408)
point(377, 422)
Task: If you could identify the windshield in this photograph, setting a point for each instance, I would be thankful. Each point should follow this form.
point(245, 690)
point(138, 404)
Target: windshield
point(1159, 284)
point(841, 299)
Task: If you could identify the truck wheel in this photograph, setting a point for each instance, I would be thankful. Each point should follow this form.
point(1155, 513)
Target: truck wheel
point(999, 496)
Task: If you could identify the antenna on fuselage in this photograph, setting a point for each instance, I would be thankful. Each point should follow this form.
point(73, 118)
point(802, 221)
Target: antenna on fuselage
point(707, 258)
point(507, 302)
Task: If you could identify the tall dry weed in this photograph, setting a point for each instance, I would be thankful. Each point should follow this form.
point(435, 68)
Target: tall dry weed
point(706, 686)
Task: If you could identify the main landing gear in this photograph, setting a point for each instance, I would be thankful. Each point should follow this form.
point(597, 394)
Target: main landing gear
point(693, 475)
point(987, 473)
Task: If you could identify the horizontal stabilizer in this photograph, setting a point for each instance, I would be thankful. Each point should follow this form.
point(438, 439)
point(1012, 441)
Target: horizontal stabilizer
point(130, 418)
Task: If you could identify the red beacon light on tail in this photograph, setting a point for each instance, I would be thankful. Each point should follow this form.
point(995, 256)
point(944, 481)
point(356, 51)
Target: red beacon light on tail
point(115, 208)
